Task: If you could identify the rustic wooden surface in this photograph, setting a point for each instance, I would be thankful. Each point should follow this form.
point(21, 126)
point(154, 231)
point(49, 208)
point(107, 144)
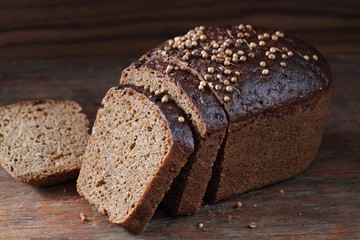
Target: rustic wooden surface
point(321, 203)
point(83, 28)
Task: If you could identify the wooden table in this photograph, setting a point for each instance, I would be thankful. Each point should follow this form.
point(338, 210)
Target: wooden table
point(321, 203)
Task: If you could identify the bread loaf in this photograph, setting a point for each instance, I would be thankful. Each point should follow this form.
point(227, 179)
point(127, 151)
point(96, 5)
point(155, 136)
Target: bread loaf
point(255, 98)
point(273, 88)
point(42, 142)
point(138, 145)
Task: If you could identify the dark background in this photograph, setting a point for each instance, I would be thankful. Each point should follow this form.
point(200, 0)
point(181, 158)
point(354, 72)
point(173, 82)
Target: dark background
point(85, 28)
point(76, 50)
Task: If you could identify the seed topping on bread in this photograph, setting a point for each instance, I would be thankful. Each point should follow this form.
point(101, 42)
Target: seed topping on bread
point(238, 45)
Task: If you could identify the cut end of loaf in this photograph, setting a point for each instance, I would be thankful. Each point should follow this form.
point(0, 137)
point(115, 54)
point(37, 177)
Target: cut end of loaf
point(42, 142)
point(129, 151)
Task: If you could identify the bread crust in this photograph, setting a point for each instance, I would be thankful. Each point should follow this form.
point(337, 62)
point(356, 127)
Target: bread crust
point(278, 145)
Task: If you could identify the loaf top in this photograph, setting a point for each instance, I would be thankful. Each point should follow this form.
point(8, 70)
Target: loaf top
point(250, 69)
point(212, 114)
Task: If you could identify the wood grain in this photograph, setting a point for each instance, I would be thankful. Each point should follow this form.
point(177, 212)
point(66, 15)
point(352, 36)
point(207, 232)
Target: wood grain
point(83, 28)
point(321, 203)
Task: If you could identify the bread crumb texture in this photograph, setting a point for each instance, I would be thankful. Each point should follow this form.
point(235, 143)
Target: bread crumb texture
point(130, 142)
point(42, 142)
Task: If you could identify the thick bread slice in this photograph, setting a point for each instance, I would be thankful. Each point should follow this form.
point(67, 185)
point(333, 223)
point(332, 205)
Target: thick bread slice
point(263, 79)
point(138, 145)
point(42, 142)
point(207, 117)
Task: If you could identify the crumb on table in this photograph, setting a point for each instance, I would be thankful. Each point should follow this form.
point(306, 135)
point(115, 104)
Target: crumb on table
point(252, 225)
point(83, 217)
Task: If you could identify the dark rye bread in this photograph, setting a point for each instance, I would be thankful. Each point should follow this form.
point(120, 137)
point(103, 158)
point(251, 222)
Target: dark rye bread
point(138, 145)
point(209, 121)
point(42, 142)
point(274, 89)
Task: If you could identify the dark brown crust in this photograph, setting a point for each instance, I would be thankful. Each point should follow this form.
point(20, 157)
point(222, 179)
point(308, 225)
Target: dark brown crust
point(182, 147)
point(256, 92)
point(188, 189)
point(44, 180)
point(55, 177)
point(277, 145)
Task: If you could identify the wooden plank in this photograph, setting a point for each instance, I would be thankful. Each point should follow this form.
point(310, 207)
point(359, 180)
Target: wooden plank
point(321, 203)
point(80, 28)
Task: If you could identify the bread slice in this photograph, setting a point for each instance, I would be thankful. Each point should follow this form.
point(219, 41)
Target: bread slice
point(42, 142)
point(209, 125)
point(138, 145)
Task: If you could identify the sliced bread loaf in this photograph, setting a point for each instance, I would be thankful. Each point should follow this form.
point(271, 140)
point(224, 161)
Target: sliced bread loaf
point(138, 145)
point(42, 142)
point(274, 89)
